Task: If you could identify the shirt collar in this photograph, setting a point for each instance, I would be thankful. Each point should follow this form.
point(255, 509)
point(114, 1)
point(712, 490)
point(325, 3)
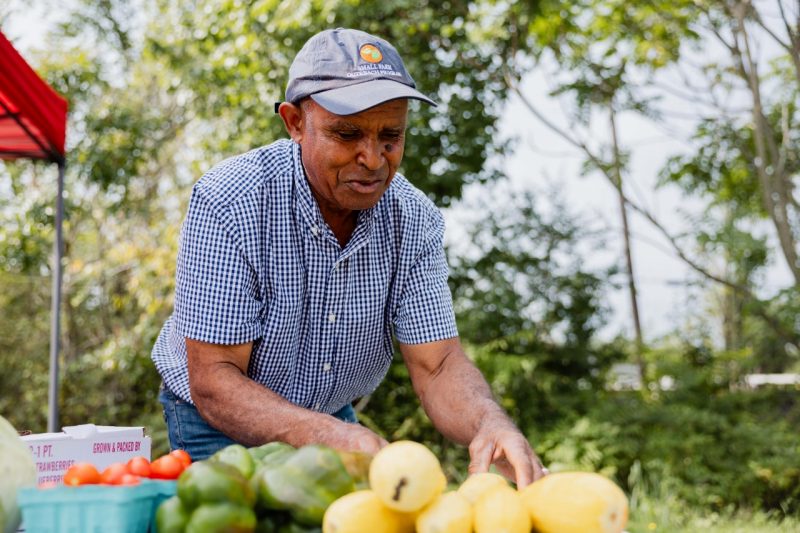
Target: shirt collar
point(306, 204)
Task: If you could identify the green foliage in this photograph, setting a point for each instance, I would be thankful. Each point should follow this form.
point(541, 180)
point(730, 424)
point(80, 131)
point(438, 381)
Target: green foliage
point(520, 284)
point(722, 170)
point(704, 441)
point(661, 510)
point(237, 55)
point(721, 455)
point(601, 46)
point(648, 33)
point(606, 56)
point(723, 167)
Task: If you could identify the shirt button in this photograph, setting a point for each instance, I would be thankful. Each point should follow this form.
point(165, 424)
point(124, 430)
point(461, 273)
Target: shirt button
point(326, 367)
point(317, 407)
point(331, 318)
point(315, 230)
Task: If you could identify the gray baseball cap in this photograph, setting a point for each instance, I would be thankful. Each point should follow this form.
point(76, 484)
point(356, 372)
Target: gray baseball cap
point(347, 71)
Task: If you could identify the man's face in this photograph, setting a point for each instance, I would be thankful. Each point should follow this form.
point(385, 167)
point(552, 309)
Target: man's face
point(351, 160)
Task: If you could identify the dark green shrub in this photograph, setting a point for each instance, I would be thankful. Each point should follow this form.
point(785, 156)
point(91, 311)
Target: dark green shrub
point(733, 449)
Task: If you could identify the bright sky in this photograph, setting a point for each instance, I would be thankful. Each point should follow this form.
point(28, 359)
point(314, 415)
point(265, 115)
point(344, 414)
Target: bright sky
point(543, 160)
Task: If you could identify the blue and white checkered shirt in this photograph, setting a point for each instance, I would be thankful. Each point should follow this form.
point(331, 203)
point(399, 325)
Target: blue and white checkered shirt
point(257, 262)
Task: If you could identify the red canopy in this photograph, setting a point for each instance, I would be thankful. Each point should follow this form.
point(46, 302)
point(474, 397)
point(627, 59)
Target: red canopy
point(33, 117)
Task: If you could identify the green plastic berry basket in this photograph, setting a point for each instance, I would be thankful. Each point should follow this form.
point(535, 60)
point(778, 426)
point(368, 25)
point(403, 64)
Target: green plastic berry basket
point(88, 508)
point(162, 490)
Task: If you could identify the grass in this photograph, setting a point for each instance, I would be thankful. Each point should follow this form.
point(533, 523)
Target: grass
point(650, 514)
point(714, 523)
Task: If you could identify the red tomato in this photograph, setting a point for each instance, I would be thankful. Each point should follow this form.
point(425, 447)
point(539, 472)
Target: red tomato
point(166, 467)
point(81, 474)
point(129, 479)
point(112, 474)
point(139, 466)
point(183, 456)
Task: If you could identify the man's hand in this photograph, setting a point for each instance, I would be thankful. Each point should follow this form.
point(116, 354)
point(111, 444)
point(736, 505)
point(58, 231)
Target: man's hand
point(499, 442)
point(348, 437)
point(459, 402)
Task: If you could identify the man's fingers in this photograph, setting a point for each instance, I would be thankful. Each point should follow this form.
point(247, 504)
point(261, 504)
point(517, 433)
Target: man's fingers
point(498, 453)
point(372, 442)
point(523, 464)
point(505, 469)
point(481, 458)
point(508, 449)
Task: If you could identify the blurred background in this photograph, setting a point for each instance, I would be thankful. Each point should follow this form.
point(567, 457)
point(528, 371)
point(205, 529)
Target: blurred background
point(619, 181)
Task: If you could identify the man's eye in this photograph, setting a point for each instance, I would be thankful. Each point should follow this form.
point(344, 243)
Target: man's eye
point(390, 136)
point(348, 135)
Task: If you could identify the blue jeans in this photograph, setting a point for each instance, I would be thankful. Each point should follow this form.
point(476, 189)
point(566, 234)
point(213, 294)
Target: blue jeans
point(189, 431)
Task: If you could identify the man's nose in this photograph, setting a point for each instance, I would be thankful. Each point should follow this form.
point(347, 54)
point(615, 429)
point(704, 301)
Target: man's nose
point(370, 154)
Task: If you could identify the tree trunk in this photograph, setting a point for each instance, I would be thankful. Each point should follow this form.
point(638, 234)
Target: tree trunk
point(776, 184)
point(616, 178)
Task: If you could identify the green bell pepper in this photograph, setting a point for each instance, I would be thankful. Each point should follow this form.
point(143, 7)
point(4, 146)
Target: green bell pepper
point(305, 484)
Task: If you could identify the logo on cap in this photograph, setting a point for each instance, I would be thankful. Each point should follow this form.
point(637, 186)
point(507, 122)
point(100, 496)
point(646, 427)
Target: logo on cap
point(370, 53)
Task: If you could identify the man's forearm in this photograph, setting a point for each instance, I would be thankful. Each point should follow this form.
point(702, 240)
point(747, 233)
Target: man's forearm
point(457, 398)
point(250, 413)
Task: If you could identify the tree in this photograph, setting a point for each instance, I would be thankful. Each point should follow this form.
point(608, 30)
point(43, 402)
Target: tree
point(606, 58)
point(745, 163)
point(121, 170)
point(230, 61)
point(736, 24)
point(596, 44)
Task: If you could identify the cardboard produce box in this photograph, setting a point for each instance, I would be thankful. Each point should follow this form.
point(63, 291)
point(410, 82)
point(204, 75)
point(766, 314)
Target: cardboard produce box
point(54, 453)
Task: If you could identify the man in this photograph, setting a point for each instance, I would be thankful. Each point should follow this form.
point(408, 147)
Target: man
point(298, 261)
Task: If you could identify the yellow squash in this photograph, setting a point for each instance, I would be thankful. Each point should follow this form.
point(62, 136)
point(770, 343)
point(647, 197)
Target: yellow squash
point(576, 502)
point(451, 513)
point(501, 510)
point(406, 476)
point(362, 511)
point(476, 484)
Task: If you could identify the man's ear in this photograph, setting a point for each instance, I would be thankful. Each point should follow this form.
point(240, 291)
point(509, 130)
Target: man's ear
point(292, 116)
